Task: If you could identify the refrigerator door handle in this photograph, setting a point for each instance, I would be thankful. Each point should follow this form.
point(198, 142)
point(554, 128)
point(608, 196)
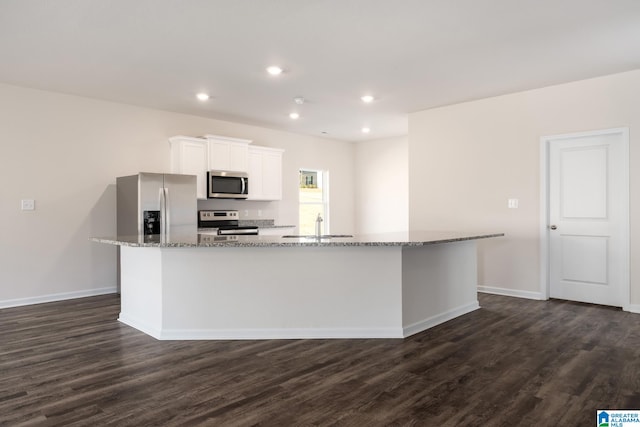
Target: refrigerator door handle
point(167, 210)
point(163, 210)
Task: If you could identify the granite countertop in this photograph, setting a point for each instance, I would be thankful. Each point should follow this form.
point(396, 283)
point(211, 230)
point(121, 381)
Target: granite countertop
point(413, 238)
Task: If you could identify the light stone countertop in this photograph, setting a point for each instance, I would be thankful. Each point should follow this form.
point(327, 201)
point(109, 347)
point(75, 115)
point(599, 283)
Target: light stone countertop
point(413, 238)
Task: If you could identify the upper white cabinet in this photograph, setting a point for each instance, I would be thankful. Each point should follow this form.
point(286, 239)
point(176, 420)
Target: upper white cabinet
point(189, 156)
point(265, 173)
point(196, 156)
point(230, 154)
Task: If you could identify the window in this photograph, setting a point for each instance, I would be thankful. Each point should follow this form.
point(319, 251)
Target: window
point(314, 200)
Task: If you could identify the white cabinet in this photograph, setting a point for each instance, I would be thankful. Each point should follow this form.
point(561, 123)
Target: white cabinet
point(196, 156)
point(230, 154)
point(276, 231)
point(265, 173)
point(189, 156)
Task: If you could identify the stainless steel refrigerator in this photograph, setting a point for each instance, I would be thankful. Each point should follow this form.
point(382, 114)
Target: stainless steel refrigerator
point(156, 204)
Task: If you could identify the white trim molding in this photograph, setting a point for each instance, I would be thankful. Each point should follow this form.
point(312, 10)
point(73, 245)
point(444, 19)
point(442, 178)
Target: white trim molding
point(543, 231)
point(297, 333)
point(57, 297)
point(511, 292)
point(278, 334)
point(259, 333)
point(140, 325)
point(436, 320)
point(632, 308)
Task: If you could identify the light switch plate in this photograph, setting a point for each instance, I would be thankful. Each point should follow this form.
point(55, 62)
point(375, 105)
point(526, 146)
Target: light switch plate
point(28, 205)
point(512, 203)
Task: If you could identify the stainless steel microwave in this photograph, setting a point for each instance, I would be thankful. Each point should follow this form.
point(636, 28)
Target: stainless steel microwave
point(227, 185)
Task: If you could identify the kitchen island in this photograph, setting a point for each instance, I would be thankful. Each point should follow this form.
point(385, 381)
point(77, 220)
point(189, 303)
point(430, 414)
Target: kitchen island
point(266, 287)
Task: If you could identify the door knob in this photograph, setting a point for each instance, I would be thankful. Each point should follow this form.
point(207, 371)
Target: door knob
point(553, 227)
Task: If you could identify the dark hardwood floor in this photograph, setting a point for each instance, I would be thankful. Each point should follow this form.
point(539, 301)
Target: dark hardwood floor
point(514, 363)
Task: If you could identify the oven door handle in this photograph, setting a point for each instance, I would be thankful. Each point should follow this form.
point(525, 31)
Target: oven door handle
point(238, 232)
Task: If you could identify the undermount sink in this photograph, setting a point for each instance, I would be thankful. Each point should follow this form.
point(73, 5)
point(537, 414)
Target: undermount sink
point(313, 236)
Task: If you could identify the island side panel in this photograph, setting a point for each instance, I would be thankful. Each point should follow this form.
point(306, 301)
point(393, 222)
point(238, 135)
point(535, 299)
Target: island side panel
point(440, 283)
point(141, 289)
point(282, 292)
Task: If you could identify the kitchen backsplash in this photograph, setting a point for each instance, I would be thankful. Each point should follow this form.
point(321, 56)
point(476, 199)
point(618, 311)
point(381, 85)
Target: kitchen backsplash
point(256, 222)
point(247, 210)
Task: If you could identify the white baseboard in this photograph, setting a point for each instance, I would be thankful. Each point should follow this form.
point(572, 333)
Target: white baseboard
point(139, 325)
point(632, 308)
point(56, 297)
point(275, 334)
point(297, 333)
point(279, 334)
point(260, 333)
point(510, 292)
point(425, 324)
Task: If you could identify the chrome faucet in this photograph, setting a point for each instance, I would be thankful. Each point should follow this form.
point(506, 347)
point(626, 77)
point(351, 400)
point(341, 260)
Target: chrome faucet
point(318, 226)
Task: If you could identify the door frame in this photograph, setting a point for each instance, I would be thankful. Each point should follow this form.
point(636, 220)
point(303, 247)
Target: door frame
point(545, 143)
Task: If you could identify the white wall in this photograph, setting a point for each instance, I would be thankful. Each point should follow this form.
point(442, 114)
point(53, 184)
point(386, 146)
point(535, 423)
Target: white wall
point(466, 160)
point(66, 151)
point(382, 185)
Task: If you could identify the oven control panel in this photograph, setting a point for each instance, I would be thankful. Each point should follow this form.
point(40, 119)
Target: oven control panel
point(217, 215)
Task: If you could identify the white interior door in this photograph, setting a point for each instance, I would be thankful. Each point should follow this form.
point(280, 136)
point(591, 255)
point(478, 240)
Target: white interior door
point(588, 217)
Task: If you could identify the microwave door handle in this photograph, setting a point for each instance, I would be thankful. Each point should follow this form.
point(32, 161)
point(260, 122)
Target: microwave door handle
point(244, 185)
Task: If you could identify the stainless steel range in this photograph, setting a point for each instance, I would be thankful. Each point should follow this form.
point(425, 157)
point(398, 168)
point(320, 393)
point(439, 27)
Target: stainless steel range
point(223, 223)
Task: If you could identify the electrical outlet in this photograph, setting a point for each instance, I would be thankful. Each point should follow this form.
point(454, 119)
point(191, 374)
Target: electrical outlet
point(246, 213)
point(259, 212)
point(512, 203)
point(28, 205)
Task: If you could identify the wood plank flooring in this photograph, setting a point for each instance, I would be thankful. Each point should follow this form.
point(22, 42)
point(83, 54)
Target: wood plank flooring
point(512, 363)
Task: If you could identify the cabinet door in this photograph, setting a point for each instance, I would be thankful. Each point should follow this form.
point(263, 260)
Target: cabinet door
point(229, 154)
point(272, 176)
point(265, 173)
point(238, 157)
point(189, 157)
point(255, 175)
point(219, 153)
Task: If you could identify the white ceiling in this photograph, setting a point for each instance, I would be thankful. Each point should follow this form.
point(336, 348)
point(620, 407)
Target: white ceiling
point(411, 54)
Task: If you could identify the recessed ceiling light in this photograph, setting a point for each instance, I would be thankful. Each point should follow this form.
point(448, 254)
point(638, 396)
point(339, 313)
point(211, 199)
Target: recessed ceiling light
point(203, 96)
point(366, 130)
point(274, 70)
point(294, 115)
point(367, 98)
